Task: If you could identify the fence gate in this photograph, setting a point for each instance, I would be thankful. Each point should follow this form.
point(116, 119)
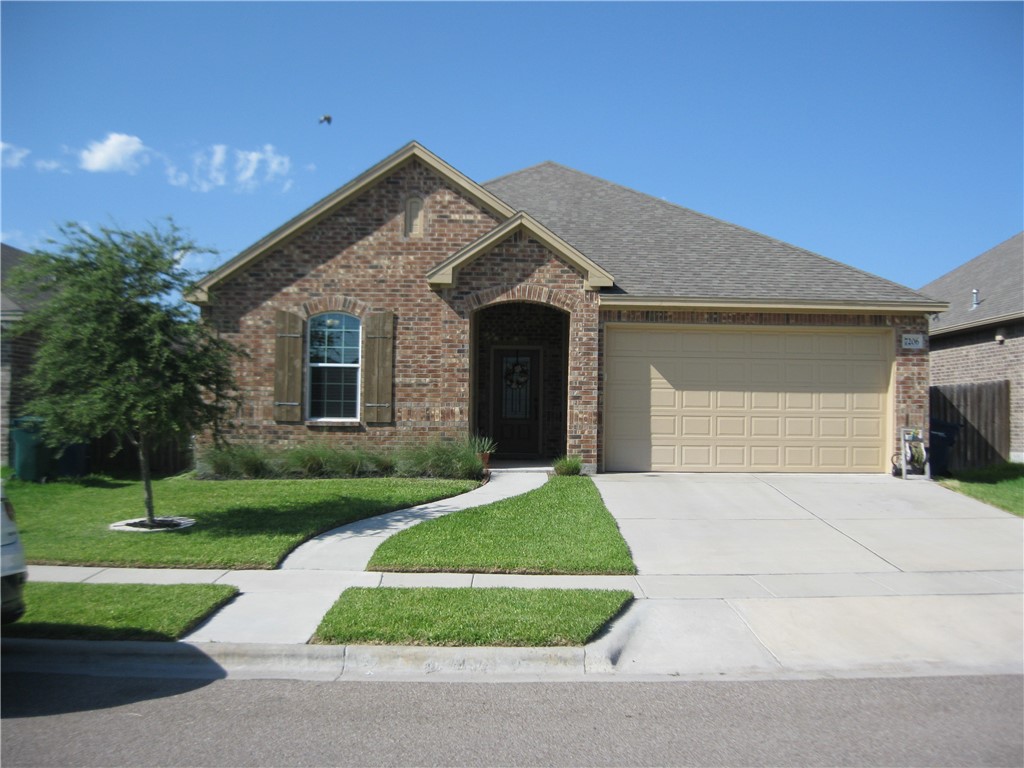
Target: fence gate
point(983, 413)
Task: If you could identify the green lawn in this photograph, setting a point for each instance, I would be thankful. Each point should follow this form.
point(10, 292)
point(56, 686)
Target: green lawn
point(562, 527)
point(240, 524)
point(469, 616)
point(1001, 486)
point(116, 611)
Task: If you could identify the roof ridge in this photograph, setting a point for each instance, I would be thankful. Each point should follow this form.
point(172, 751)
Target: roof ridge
point(510, 174)
point(708, 217)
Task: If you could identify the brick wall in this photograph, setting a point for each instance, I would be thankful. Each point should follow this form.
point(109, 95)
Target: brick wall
point(358, 259)
point(976, 356)
point(523, 270)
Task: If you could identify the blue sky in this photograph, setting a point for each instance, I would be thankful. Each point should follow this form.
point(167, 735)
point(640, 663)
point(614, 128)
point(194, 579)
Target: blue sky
point(889, 136)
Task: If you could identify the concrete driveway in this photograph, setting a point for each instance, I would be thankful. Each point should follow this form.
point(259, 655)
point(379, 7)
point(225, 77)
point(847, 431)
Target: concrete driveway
point(865, 573)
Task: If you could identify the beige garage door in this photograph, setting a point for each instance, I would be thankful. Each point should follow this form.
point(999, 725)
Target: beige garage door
point(747, 399)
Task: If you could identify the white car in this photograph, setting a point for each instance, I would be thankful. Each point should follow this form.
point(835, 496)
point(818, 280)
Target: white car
point(14, 570)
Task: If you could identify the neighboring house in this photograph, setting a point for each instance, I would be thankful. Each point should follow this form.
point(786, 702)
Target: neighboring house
point(980, 338)
point(560, 313)
point(15, 351)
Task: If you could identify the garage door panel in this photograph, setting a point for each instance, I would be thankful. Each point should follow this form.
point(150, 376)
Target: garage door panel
point(833, 427)
point(731, 458)
point(696, 456)
point(798, 427)
point(833, 401)
point(664, 425)
point(696, 426)
point(731, 400)
point(692, 399)
point(664, 397)
point(765, 426)
point(731, 426)
point(800, 401)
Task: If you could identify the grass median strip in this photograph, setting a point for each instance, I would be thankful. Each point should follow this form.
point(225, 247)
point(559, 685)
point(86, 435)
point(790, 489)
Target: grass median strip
point(239, 524)
point(469, 616)
point(60, 611)
point(562, 527)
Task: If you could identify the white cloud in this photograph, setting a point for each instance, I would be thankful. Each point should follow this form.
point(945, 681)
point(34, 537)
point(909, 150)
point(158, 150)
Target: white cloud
point(251, 169)
point(246, 164)
point(208, 168)
point(249, 163)
point(47, 166)
point(12, 156)
point(117, 152)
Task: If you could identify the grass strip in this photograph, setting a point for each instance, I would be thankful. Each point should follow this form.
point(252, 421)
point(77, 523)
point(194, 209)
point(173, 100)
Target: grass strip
point(469, 616)
point(1001, 486)
point(239, 524)
point(563, 527)
point(60, 611)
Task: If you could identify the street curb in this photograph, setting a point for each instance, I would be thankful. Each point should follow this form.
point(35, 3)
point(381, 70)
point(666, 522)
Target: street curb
point(211, 661)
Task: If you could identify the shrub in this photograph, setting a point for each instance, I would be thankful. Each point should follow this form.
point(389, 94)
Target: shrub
point(440, 459)
point(313, 460)
point(243, 461)
point(568, 465)
point(232, 462)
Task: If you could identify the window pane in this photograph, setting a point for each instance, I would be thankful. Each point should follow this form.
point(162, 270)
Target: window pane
point(334, 339)
point(333, 393)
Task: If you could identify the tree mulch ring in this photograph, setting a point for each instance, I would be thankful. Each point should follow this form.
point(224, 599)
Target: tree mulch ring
point(142, 525)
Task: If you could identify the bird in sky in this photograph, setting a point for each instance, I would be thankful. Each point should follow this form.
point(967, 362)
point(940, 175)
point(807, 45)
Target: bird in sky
point(325, 119)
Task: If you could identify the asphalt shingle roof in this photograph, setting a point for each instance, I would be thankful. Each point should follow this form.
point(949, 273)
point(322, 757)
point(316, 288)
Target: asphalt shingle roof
point(659, 249)
point(998, 276)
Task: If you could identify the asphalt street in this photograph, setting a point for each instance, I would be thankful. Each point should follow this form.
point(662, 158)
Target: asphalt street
point(60, 720)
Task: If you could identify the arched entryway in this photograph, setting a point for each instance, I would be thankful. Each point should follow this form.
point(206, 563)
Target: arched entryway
point(520, 362)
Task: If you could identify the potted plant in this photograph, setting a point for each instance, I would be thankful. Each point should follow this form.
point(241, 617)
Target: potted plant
point(483, 447)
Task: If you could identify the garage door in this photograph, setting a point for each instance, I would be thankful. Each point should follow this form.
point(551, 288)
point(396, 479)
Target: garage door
point(747, 400)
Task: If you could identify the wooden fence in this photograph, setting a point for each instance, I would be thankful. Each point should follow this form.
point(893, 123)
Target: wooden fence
point(983, 413)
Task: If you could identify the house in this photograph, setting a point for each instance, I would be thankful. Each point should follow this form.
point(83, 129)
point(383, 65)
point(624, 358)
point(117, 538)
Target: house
point(559, 313)
point(980, 338)
point(15, 351)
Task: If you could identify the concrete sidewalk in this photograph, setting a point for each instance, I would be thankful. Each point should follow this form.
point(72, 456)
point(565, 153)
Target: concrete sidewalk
point(741, 577)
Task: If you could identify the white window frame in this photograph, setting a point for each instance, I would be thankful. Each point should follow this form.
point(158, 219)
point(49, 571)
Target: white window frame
point(310, 365)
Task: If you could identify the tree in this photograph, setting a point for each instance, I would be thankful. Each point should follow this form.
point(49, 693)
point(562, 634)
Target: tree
point(119, 349)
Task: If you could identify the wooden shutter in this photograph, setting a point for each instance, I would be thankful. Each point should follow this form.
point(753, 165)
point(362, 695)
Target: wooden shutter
point(378, 367)
point(288, 367)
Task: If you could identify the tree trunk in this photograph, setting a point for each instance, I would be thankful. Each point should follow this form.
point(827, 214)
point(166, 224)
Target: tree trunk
point(147, 481)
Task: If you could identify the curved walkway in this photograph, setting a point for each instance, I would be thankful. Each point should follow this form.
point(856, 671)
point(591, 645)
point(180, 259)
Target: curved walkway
point(741, 576)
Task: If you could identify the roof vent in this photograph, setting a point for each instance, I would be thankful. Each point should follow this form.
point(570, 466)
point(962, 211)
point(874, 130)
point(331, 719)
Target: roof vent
point(974, 299)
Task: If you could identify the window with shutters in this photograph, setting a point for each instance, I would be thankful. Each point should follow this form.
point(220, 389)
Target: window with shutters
point(333, 346)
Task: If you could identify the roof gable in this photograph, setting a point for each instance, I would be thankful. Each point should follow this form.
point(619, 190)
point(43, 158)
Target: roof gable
point(997, 275)
point(662, 253)
point(408, 153)
point(594, 276)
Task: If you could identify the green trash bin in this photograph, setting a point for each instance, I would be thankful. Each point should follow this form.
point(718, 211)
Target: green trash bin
point(31, 455)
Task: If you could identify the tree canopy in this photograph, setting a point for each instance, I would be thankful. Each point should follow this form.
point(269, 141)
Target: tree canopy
point(119, 350)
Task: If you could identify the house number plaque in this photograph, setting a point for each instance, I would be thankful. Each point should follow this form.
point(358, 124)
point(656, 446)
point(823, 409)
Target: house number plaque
point(913, 340)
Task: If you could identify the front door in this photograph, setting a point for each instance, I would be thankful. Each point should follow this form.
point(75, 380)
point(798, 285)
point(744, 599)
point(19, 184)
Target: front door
point(516, 403)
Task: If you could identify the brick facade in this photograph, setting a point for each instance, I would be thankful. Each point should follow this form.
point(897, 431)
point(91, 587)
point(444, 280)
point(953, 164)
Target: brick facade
point(360, 258)
point(976, 356)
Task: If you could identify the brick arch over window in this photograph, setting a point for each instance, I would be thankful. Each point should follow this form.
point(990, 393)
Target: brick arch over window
point(533, 293)
point(335, 303)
